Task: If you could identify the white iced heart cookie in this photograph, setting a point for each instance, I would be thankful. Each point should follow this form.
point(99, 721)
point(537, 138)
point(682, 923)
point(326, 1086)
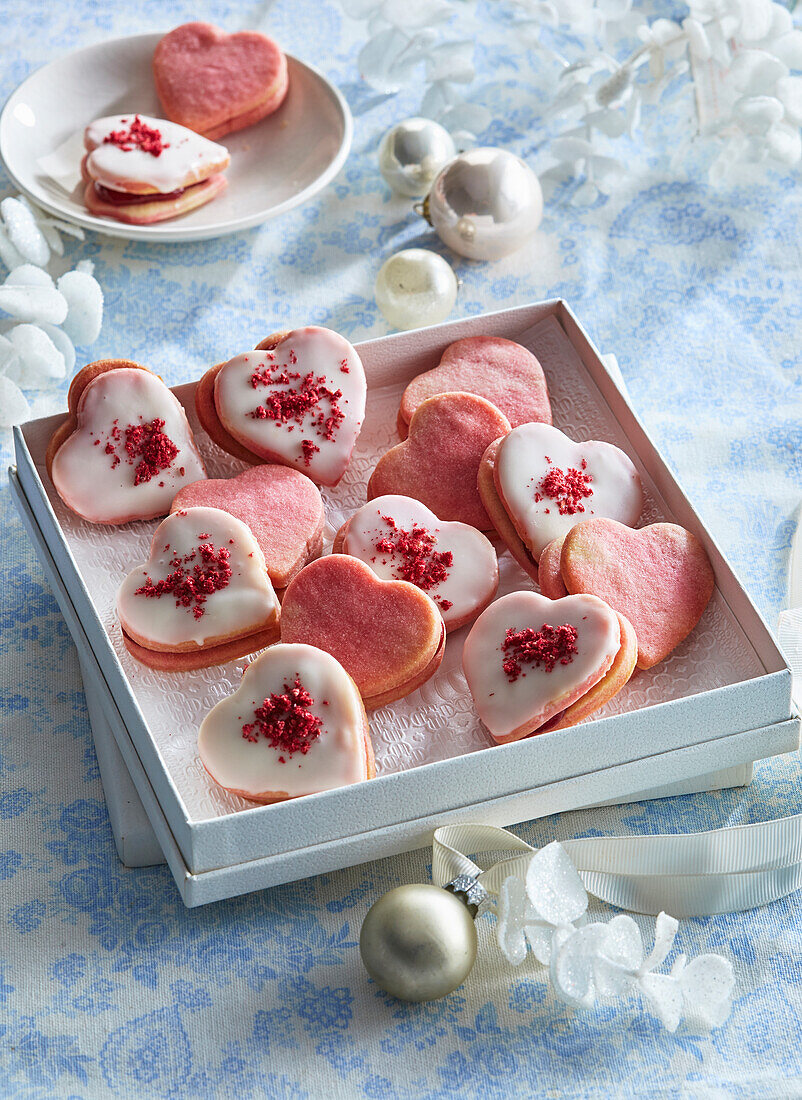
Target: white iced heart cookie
point(295, 725)
point(547, 483)
point(527, 658)
point(401, 539)
point(301, 403)
point(139, 154)
point(205, 584)
point(126, 448)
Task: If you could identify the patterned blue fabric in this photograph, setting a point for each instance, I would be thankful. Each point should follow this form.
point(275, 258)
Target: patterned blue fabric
point(109, 987)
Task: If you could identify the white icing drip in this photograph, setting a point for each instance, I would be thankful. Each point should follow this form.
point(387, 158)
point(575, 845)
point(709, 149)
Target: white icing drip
point(314, 350)
point(87, 478)
point(522, 465)
point(536, 695)
point(247, 604)
point(189, 159)
point(473, 576)
point(336, 758)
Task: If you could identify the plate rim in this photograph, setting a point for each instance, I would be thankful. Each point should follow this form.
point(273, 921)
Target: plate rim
point(176, 234)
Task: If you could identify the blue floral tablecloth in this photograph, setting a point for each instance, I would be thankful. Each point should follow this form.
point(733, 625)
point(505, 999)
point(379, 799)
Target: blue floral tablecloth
point(108, 985)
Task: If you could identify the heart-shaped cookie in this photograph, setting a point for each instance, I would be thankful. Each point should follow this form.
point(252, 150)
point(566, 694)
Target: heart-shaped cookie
point(300, 402)
point(216, 83)
point(202, 597)
point(296, 725)
point(438, 464)
point(528, 659)
point(282, 507)
point(547, 483)
point(388, 635)
point(126, 446)
point(400, 539)
point(659, 577)
point(501, 371)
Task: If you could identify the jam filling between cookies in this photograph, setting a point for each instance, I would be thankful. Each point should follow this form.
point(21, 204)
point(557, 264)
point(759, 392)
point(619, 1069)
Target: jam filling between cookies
point(285, 721)
point(127, 198)
point(567, 488)
point(300, 403)
point(420, 563)
point(194, 577)
point(146, 447)
point(138, 136)
point(544, 648)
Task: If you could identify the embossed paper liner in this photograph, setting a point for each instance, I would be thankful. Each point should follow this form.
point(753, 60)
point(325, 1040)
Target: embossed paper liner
point(715, 685)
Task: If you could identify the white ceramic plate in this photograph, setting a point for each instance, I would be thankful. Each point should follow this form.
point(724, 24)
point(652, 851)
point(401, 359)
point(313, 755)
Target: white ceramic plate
point(275, 165)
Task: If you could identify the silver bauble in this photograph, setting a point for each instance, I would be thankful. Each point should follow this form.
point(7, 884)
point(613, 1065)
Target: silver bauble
point(418, 942)
point(485, 204)
point(415, 288)
point(412, 153)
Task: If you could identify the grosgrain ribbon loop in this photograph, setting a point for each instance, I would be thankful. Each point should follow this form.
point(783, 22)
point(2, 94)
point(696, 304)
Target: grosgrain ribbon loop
point(687, 874)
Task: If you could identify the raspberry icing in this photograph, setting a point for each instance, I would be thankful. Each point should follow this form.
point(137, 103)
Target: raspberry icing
point(136, 152)
point(294, 726)
point(401, 539)
point(204, 582)
point(296, 404)
point(548, 483)
point(131, 451)
point(527, 658)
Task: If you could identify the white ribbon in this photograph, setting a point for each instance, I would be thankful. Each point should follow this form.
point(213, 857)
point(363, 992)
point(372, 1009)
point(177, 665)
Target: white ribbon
point(687, 874)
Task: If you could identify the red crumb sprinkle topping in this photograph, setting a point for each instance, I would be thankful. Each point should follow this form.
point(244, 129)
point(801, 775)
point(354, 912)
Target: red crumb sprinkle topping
point(144, 446)
point(547, 647)
point(193, 579)
point(307, 400)
point(419, 562)
point(285, 721)
point(566, 487)
point(138, 136)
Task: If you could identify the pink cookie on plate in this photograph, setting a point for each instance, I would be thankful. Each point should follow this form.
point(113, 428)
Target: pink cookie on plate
point(143, 170)
point(438, 464)
point(529, 660)
point(546, 484)
point(215, 82)
point(296, 725)
point(400, 539)
point(503, 372)
point(659, 577)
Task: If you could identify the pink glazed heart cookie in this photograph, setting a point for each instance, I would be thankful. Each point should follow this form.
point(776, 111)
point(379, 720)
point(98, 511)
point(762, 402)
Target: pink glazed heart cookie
point(202, 597)
point(438, 463)
point(143, 170)
point(300, 402)
point(528, 660)
point(282, 507)
point(400, 539)
point(126, 446)
point(546, 483)
point(296, 725)
point(215, 82)
point(388, 635)
point(659, 577)
point(501, 371)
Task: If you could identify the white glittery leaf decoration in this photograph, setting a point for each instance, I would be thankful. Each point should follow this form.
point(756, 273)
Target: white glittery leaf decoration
point(596, 961)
